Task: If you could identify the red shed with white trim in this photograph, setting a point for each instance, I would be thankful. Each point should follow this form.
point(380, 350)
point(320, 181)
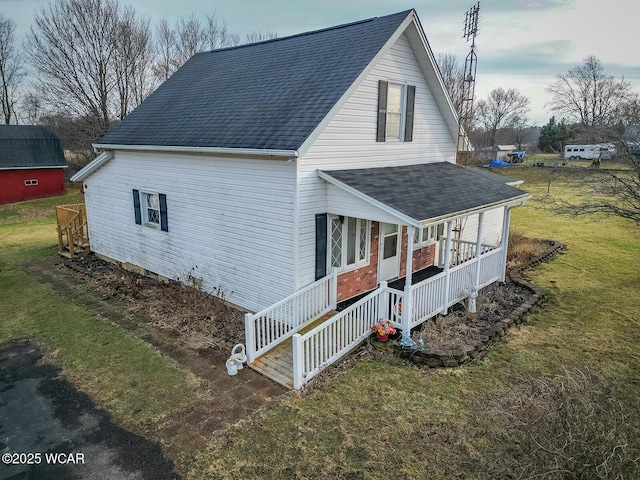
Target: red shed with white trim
point(31, 163)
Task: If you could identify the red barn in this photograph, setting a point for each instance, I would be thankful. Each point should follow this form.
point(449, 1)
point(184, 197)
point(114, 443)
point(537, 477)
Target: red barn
point(31, 163)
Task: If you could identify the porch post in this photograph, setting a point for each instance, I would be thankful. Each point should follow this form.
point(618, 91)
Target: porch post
point(333, 289)
point(476, 282)
point(447, 261)
point(250, 337)
point(506, 222)
point(407, 308)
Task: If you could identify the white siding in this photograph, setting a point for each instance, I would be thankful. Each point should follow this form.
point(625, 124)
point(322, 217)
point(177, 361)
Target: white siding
point(491, 227)
point(349, 141)
point(230, 217)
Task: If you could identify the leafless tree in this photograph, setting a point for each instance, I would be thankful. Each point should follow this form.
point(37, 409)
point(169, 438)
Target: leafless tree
point(165, 42)
point(502, 108)
point(586, 94)
point(72, 45)
point(217, 33)
point(32, 107)
point(260, 36)
point(132, 61)
point(11, 69)
point(452, 75)
point(191, 38)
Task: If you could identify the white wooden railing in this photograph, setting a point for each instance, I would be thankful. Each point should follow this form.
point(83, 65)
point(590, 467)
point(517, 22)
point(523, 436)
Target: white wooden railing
point(273, 325)
point(326, 343)
point(428, 296)
point(463, 250)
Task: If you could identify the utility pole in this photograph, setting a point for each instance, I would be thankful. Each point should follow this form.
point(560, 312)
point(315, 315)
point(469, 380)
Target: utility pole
point(465, 115)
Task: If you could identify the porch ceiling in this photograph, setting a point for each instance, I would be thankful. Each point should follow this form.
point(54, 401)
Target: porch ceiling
point(424, 193)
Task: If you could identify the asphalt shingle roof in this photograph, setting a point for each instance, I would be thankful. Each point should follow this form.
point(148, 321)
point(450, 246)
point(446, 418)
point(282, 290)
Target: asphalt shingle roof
point(428, 191)
point(268, 95)
point(27, 146)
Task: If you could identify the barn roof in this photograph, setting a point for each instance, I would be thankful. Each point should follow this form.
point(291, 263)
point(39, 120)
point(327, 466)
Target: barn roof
point(29, 146)
point(267, 95)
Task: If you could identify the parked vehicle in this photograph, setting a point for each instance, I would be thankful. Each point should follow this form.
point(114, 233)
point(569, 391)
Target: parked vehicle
point(582, 152)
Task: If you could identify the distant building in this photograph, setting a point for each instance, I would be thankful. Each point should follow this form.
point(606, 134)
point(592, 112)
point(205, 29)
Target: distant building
point(31, 163)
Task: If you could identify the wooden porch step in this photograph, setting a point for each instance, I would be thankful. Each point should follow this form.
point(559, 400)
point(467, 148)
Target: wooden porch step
point(277, 364)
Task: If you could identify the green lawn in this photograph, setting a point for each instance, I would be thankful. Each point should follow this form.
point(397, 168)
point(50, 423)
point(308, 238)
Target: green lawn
point(122, 373)
point(379, 418)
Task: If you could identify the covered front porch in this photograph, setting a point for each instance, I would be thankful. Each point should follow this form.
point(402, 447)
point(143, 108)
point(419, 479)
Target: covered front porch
point(460, 262)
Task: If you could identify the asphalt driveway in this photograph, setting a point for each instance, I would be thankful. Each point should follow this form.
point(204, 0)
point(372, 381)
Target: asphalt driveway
point(50, 430)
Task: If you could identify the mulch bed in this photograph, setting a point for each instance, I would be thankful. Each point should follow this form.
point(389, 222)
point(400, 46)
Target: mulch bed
point(201, 320)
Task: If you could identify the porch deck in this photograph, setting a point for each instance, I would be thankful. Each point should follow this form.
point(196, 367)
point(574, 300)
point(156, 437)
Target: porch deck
point(277, 364)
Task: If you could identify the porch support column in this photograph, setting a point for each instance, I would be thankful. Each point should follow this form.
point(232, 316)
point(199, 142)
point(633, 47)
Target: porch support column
point(447, 262)
point(476, 282)
point(506, 222)
point(407, 308)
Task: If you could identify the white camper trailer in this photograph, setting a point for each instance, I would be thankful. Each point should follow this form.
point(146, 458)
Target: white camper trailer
point(584, 152)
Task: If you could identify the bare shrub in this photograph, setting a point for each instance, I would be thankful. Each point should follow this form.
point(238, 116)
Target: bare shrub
point(564, 426)
point(461, 327)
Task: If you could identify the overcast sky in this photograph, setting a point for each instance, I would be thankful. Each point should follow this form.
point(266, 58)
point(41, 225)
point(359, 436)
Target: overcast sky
point(521, 44)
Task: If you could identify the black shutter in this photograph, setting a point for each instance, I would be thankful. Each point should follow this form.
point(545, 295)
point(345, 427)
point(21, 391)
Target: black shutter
point(136, 207)
point(382, 111)
point(164, 226)
point(408, 124)
point(321, 245)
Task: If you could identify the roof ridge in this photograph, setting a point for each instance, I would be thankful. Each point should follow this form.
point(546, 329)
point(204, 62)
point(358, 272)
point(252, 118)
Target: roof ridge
point(310, 32)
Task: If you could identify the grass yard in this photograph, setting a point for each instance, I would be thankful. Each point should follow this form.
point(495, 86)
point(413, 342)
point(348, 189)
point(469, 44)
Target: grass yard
point(122, 373)
point(561, 398)
point(378, 418)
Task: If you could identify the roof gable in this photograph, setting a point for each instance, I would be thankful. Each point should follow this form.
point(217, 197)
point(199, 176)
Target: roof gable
point(268, 95)
point(29, 146)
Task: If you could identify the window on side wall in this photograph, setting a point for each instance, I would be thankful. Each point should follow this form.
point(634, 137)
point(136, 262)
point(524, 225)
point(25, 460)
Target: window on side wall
point(396, 103)
point(349, 242)
point(427, 236)
point(150, 209)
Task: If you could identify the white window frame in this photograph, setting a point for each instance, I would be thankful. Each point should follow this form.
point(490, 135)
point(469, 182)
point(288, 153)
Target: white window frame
point(31, 183)
point(403, 112)
point(424, 237)
point(145, 207)
point(343, 221)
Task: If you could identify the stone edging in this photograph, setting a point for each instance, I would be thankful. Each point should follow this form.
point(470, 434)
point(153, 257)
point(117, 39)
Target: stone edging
point(488, 337)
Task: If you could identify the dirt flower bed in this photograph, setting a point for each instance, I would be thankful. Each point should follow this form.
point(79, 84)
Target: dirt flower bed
point(460, 328)
point(200, 319)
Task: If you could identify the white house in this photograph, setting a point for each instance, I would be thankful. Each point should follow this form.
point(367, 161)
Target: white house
point(297, 173)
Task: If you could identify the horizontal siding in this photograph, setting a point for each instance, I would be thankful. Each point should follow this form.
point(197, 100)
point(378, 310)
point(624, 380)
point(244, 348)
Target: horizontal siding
point(491, 227)
point(349, 141)
point(230, 218)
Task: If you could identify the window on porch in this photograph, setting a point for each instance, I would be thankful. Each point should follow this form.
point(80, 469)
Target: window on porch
point(349, 239)
point(423, 237)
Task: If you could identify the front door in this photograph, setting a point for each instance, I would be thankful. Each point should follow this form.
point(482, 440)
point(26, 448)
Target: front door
point(389, 252)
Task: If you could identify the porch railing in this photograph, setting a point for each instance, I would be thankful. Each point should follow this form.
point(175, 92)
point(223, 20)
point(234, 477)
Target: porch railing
point(428, 296)
point(273, 325)
point(462, 250)
point(73, 232)
point(326, 343)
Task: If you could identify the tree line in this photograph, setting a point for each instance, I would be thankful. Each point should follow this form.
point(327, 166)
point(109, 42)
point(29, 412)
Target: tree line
point(589, 106)
point(93, 61)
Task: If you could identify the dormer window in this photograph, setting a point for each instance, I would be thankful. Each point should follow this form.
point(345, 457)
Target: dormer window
point(395, 111)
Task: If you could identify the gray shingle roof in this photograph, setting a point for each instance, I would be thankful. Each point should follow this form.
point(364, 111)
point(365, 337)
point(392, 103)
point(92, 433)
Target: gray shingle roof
point(27, 146)
point(428, 191)
point(268, 95)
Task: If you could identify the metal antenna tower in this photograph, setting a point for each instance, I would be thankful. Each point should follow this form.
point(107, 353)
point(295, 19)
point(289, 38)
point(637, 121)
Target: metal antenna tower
point(465, 115)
